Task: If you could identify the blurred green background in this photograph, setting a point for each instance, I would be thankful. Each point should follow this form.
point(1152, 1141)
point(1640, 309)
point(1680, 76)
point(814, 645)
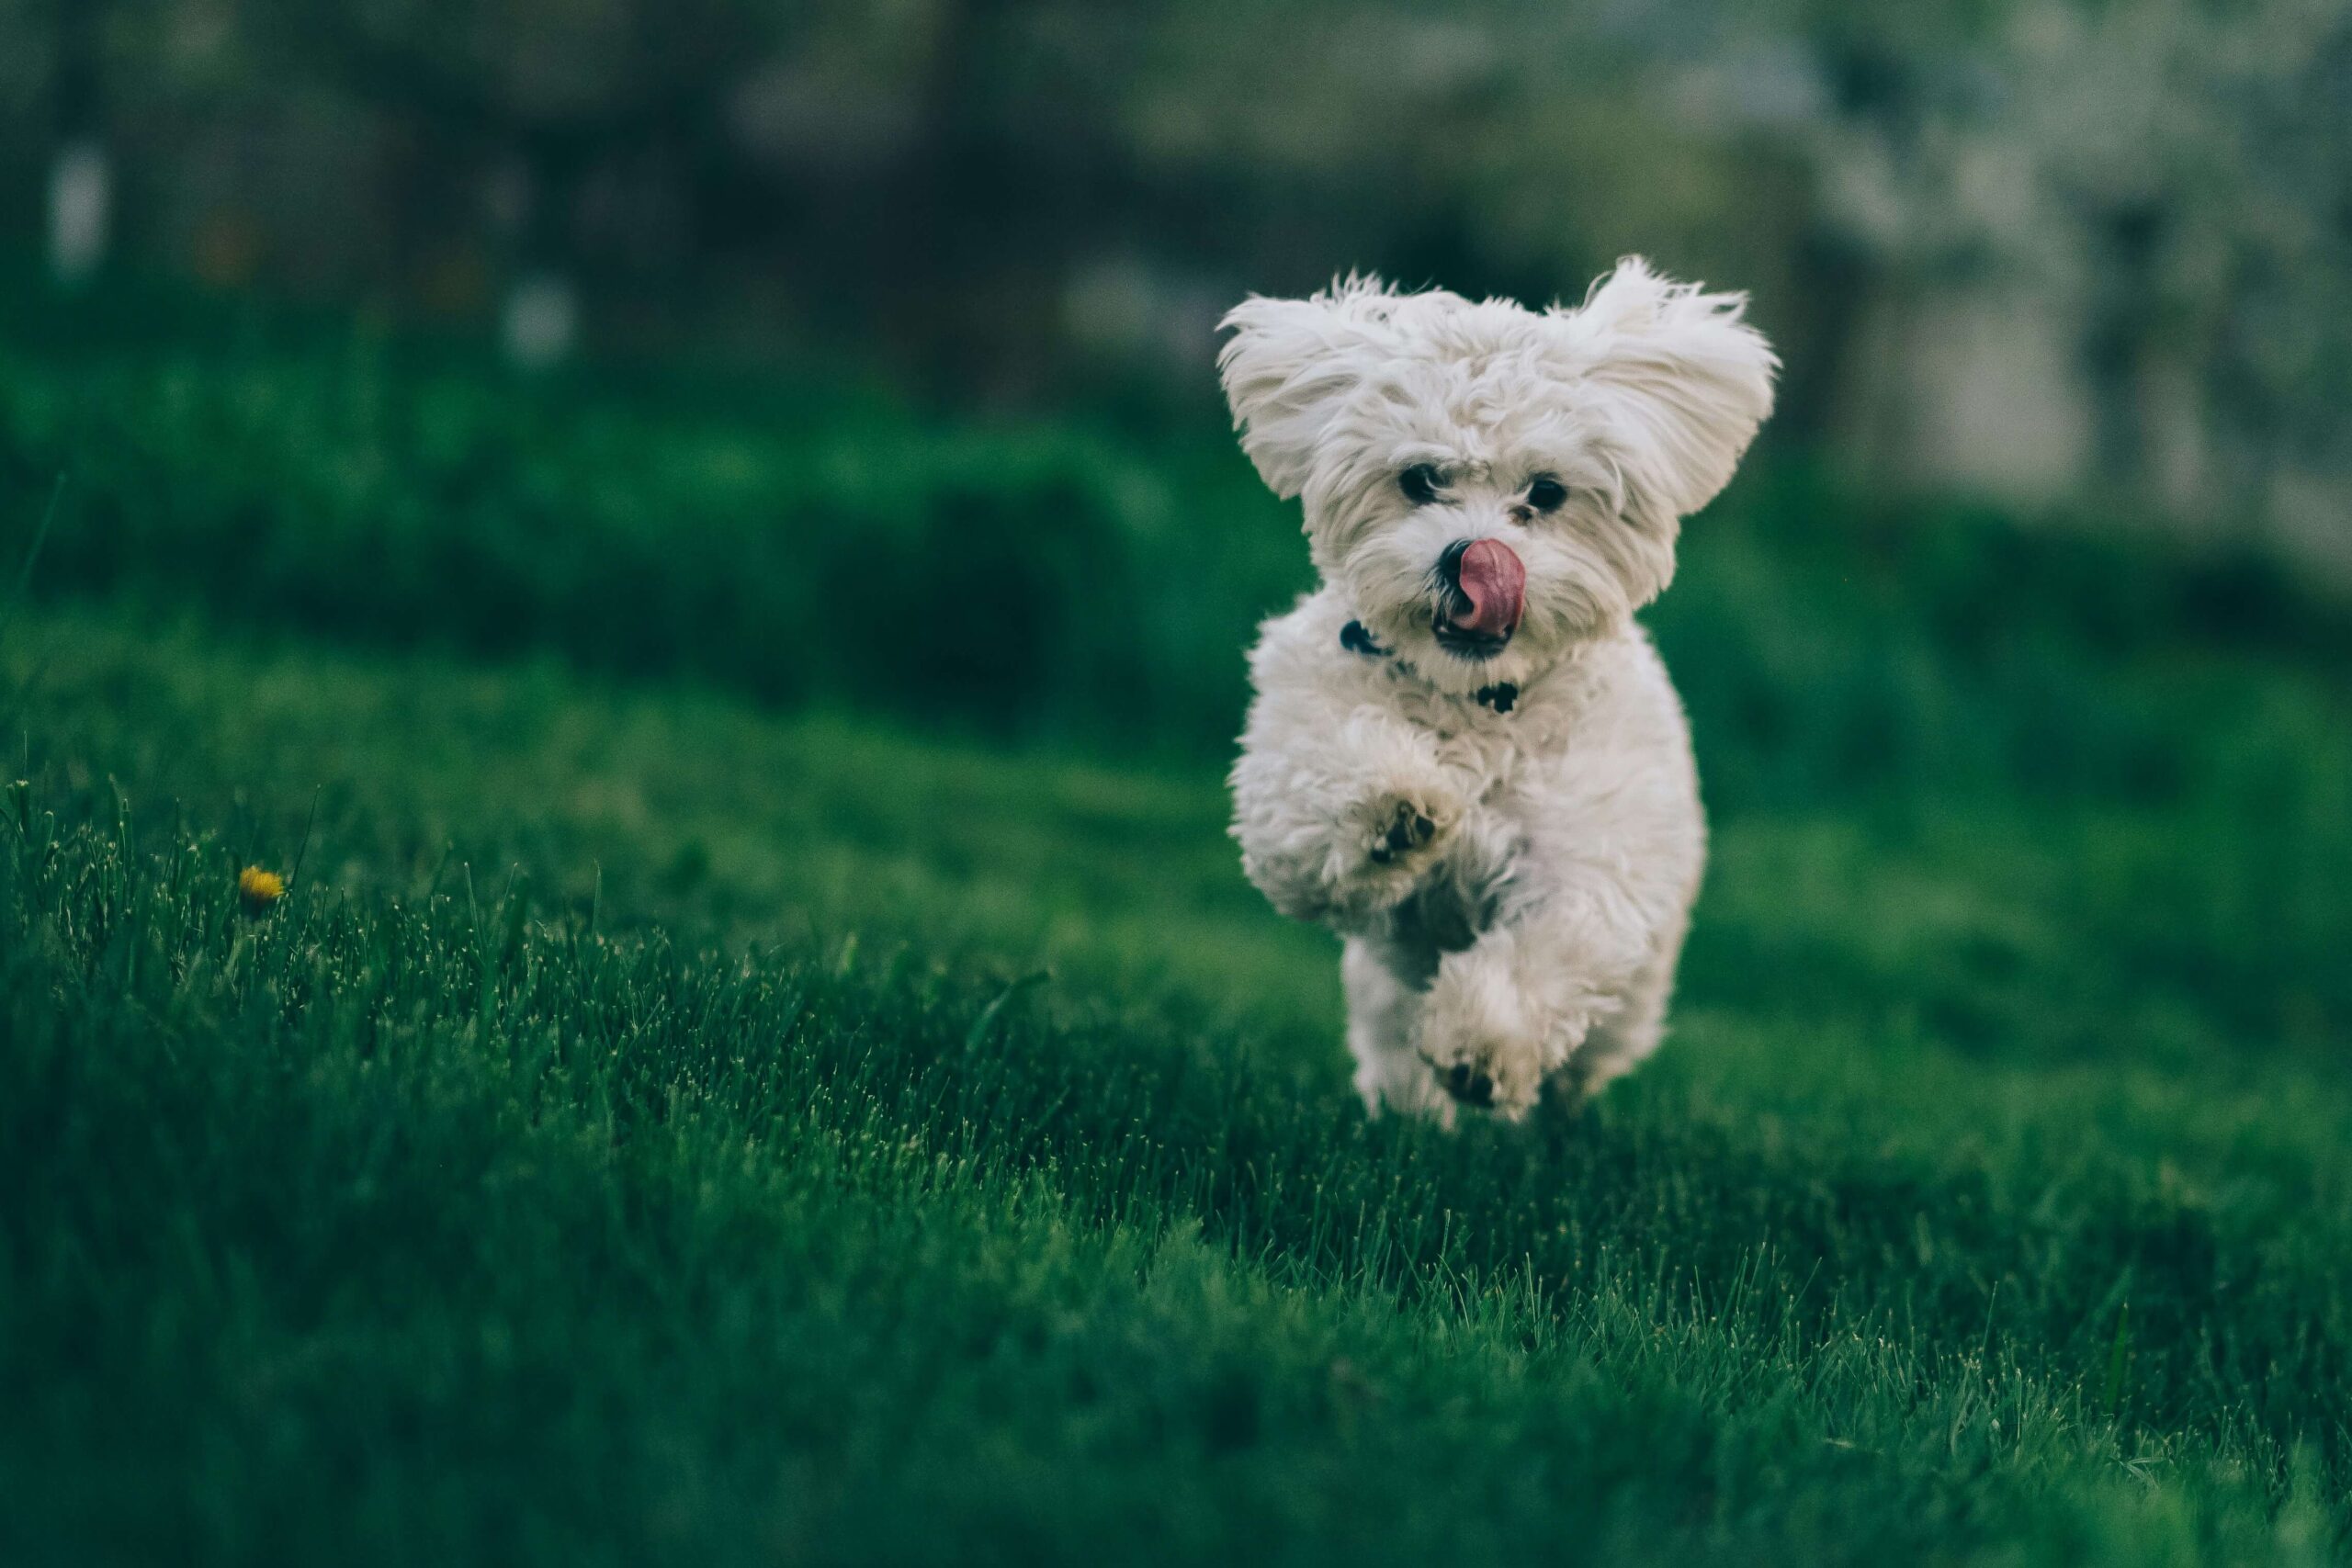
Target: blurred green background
point(2039, 249)
point(752, 1071)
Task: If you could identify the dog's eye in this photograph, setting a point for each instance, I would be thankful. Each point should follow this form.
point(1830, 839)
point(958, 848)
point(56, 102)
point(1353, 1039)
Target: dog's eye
point(1421, 483)
point(1546, 494)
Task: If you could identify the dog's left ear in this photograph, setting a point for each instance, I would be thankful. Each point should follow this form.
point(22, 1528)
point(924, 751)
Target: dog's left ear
point(1691, 381)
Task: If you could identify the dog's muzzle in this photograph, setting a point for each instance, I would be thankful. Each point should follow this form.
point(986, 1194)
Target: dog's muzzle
point(1483, 591)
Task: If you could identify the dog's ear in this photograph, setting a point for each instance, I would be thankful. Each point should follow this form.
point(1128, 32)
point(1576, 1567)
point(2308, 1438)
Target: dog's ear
point(1689, 380)
point(1289, 367)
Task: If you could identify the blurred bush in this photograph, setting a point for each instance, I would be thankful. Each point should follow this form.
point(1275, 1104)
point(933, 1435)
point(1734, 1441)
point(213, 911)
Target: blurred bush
point(1031, 578)
point(1044, 577)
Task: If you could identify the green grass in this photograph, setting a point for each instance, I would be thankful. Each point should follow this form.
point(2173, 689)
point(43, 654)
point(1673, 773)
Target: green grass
point(690, 1114)
point(423, 1200)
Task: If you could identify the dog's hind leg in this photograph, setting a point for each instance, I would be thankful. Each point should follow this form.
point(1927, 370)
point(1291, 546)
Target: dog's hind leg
point(1623, 1040)
point(1384, 1009)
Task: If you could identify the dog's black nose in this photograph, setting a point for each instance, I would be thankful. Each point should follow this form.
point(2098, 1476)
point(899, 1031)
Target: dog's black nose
point(1449, 565)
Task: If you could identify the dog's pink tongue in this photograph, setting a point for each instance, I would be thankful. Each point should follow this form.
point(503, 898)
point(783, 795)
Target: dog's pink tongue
point(1496, 584)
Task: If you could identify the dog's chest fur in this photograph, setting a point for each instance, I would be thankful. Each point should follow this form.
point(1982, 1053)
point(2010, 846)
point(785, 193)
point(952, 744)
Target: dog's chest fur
point(1504, 748)
point(1592, 759)
point(1512, 753)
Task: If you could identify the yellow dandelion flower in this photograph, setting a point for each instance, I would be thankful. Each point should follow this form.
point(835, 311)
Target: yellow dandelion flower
point(260, 890)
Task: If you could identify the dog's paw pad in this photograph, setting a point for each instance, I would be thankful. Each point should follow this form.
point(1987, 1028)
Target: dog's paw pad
point(1408, 829)
point(1468, 1085)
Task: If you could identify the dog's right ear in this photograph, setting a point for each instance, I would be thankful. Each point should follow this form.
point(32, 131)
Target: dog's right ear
point(1289, 367)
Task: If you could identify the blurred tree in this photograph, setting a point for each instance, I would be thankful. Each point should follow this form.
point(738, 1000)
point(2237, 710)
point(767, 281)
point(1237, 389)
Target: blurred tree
point(2203, 213)
point(2158, 188)
point(81, 177)
point(2034, 245)
point(551, 96)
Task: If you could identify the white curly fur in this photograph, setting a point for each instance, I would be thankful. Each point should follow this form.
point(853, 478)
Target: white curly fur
point(1530, 934)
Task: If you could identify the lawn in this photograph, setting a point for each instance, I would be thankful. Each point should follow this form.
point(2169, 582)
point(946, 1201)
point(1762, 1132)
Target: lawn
point(712, 1097)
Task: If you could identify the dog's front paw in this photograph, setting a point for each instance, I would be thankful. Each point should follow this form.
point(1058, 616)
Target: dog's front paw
point(1402, 833)
point(1383, 847)
point(1408, 827)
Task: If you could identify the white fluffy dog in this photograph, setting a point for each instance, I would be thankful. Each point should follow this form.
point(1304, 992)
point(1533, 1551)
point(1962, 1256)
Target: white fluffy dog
point(1464, 755)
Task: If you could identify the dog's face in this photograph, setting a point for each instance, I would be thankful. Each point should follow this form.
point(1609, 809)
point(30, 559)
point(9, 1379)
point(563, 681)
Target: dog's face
point(1488, 485)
